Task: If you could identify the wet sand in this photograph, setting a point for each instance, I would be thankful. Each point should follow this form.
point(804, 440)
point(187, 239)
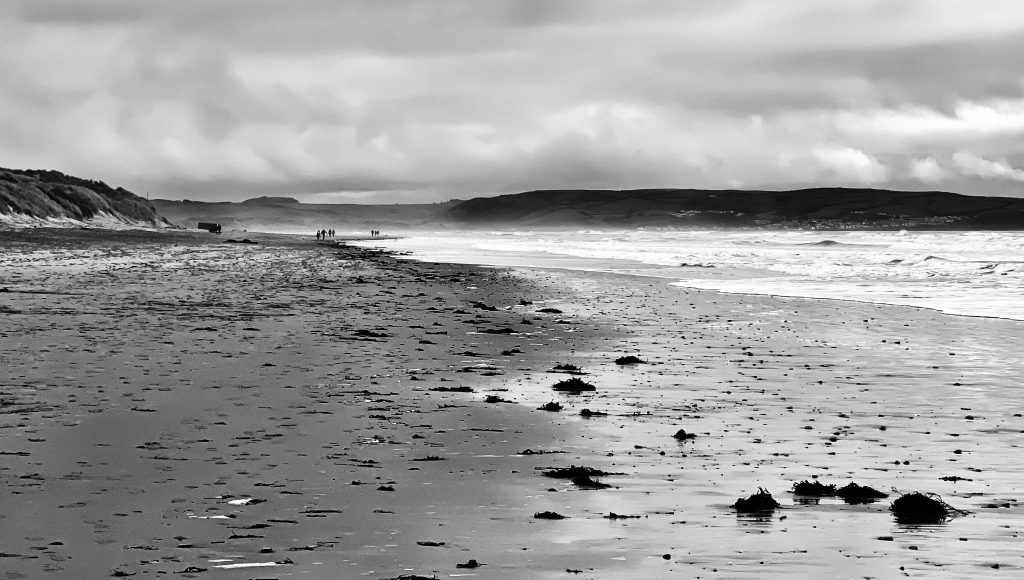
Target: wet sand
point(175, 405)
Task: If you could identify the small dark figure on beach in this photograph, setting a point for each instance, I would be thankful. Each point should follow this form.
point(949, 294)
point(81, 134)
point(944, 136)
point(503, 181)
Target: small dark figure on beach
point(318, 235)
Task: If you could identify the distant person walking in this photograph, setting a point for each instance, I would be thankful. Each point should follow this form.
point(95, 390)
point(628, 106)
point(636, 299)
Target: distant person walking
point(318, 235)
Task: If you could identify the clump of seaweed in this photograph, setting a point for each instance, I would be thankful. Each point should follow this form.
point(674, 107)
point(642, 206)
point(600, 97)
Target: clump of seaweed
point(580, 475)
point(574, 471)
point(615, 516)
point(628, 360)
point(920, 508)
point(548, 516)
point(589, 413)
point(762, 501)
point(553, 406)
point(814, 489)
point(853, 493)
point(459, 389)
point(573, 385)
point(588, 482)
point(550, 311)
point(566, 368)
point(682, 435)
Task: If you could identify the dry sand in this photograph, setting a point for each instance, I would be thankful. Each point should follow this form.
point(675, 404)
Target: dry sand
point(175, 405)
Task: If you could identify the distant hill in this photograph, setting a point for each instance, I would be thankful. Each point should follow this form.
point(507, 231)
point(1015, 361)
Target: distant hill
point(38, 196)
point(839, 208)
point(823, 208)
point(284, 214)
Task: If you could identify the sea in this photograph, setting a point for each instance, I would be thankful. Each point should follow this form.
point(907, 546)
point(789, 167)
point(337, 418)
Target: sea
point(968, 273)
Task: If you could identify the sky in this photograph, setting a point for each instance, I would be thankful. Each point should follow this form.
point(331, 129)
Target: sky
point(386, 101)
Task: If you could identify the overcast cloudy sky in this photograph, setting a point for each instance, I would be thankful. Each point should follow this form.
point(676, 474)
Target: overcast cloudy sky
point(428, 100)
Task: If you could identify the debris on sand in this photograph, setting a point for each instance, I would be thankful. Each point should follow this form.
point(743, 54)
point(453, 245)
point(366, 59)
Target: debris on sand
point(362, 332)
point(615, 516)
point(494, 399)
point(628, 360)
point(469, 564)
point(538, 452)
point(574, 471)
point(430, 543)
point(482, 306)
point(814, 489)
point(504, 330)
point(853, 493)
point(589, 413)
point(550, 311)
point(919, 508)
point(762, 501)
point(566, 368)
point(548, 516)
point(461, 389)
point(587, 482)
point(553, 406)
point(955, 478)
point(573, 385)
point(682, 435)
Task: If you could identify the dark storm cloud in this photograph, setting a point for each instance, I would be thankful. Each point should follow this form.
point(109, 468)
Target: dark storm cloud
point(430, 100)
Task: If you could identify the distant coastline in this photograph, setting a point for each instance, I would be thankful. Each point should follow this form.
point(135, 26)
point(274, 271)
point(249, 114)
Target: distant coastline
point(33, 198)
point(818, 208)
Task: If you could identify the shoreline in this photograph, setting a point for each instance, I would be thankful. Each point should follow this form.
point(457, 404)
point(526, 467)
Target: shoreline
point(741, 373)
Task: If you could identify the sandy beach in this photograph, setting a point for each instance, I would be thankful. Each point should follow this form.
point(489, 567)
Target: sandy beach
point(173, 404)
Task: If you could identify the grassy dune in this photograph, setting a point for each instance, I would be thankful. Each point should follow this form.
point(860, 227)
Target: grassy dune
point(43, 194)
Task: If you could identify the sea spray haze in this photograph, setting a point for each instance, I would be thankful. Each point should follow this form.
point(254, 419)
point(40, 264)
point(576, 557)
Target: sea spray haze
point(968, 273)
